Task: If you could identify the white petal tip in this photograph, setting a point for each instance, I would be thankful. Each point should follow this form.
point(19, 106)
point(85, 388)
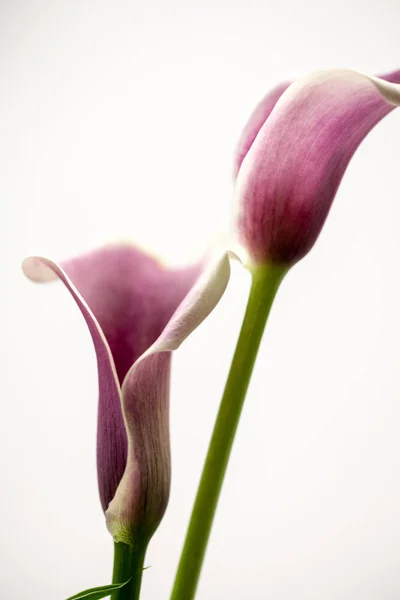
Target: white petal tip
point(36, 269)
point(390, 91)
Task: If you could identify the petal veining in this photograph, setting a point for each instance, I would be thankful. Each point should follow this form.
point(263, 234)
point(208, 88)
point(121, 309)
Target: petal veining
point(142, 495)
point(126, 298)
point(291, 173)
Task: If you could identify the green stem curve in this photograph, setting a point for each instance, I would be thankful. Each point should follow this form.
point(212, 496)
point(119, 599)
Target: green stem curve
point(265, 283)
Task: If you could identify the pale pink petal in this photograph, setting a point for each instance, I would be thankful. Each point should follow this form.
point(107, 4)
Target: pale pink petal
point(126, 298)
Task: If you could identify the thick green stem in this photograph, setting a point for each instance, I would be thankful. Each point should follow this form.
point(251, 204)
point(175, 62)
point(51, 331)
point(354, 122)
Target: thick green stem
point(266, 280)
point(128, 563)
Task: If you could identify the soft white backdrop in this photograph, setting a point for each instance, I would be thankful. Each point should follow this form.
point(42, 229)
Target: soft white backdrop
point(118, 120)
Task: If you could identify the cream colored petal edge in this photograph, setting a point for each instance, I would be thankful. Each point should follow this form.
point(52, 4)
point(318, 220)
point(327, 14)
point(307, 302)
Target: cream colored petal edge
point(195, 308)
point(145, 401)
point(42, 270)
point(389, 91)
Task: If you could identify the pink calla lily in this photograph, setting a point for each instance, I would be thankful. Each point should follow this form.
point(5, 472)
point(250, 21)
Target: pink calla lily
point(293, 153)
point(137, 313)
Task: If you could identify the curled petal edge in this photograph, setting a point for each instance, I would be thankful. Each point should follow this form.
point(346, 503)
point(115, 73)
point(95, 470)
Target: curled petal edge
point(111, 438)
point(41, 270)
point(138, 392)
point(142, 494)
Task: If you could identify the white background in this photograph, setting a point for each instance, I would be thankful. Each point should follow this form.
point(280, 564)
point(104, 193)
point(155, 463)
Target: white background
point(118, 120)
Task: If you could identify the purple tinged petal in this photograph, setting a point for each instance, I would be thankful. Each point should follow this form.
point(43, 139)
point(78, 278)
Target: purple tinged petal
point(142, 495)
point(111, 435)
point(146, 319)
point(292, 171)
point(255, 122)
point(131, 295)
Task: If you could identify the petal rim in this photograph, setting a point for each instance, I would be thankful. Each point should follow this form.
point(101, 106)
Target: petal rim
point(199, 302)
point(192, 311)
point(301, 154)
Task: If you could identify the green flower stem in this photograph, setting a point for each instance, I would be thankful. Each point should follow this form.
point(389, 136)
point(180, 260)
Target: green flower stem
point(265, 283)
point(128, 564)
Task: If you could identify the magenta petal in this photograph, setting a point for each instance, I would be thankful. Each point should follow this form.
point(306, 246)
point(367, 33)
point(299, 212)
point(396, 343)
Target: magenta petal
point(111, 435)
point(142, 495)
point(255, 122)
point(126, 298)
point(291, 173)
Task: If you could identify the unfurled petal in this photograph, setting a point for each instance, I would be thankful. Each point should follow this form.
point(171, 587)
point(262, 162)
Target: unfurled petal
point(131, 295)
point(291, 173)
point(142, 496)
point(151, 315)
point(126, 298)
point(111, 435)
point(255, 122)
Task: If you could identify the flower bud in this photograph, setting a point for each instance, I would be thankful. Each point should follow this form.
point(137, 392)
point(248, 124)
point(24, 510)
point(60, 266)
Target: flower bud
point(289, 177)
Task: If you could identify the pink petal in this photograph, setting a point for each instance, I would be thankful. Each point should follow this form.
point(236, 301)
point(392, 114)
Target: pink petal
point(126, 298)
point(163, 308)
point(142, 495)
point(255, 122)
point(292, 171)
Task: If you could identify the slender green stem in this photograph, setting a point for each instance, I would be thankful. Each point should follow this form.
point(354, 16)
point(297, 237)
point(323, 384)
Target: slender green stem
point(128, 563)
point(266, 280)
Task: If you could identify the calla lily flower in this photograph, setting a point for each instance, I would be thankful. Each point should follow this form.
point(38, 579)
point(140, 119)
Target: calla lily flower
point(137, 312)
point(293, 153)
point(258, 117)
